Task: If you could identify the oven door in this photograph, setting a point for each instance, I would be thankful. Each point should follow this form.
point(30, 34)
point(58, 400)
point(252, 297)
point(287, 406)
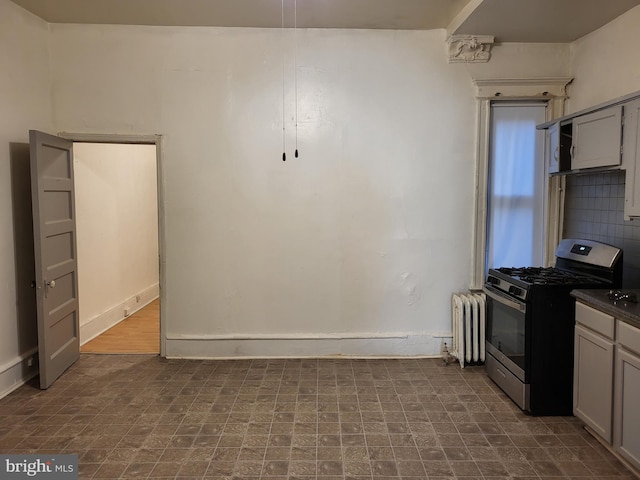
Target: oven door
point(506, 327)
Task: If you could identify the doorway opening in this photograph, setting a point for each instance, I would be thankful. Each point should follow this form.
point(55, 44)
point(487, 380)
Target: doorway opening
point(137, 333)
point(118, 215)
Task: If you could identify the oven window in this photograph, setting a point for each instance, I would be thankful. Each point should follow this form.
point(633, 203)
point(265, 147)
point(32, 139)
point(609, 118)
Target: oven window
point(506, 330)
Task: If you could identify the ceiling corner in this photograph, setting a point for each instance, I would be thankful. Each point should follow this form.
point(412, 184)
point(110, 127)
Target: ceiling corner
point(462, 16)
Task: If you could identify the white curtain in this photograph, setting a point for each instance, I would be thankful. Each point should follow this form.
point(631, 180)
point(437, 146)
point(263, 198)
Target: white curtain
point(516, 186)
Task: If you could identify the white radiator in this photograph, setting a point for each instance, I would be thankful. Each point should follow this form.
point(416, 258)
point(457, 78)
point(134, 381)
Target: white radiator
point(468, 315)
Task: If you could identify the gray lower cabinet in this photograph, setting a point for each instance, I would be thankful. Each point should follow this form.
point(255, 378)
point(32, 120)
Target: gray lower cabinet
point(606, 387)
point(593, 380)
point(627, 393)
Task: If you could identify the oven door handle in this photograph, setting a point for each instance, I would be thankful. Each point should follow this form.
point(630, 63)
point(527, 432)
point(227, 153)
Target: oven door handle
point(496, 295)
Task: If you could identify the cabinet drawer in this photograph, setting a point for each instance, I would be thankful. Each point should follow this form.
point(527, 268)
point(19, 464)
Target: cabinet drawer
point(508, 382)
point(629, 337)
point(596, 320)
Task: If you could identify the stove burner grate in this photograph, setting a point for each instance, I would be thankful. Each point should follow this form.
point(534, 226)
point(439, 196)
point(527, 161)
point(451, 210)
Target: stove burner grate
point(547, 276)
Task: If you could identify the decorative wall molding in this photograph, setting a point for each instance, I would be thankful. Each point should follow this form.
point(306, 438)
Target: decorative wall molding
point(470, 48)
point(545, 87)
point(18, 371)
point(366, 344)
point(552, 90)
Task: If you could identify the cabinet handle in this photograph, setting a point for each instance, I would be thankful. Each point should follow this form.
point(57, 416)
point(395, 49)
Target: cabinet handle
point(555, 153)
point(573, 151)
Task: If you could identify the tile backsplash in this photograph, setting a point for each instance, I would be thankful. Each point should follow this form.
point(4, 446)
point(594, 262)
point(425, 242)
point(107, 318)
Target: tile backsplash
point(594, 210)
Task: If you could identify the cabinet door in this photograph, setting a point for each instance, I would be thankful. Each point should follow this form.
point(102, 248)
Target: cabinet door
point(627, 421)
point(593, 381)
point(597, 138)
point(559, 147)
point(631, 157)
point(553, 153)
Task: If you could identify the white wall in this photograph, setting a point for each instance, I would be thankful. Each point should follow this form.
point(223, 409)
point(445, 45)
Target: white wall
point(117, 228)
point(344, 241)
point(24, 104)
point(364, 236)
point(523, 60)
point(606, 63)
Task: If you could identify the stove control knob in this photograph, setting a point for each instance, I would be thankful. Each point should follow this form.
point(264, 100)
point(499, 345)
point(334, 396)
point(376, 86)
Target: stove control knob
point(515, 291)
point(493, 280)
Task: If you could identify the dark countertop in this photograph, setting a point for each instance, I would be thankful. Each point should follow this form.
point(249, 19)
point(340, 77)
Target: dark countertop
point(627, 312)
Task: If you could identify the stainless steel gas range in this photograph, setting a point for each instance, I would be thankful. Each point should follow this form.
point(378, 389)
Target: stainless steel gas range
point(530, 323)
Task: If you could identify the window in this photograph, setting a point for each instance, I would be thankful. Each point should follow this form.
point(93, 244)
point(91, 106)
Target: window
point(516, 186)
point(492, 93)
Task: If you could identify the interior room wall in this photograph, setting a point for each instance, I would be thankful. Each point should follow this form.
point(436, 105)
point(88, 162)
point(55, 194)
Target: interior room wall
point(26, 104)
point(522, 60)
point(117, 228)
point(605, 62)
point(353, 248)
point(605, 68)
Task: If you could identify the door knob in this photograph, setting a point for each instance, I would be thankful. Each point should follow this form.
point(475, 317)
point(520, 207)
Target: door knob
point(51, 284)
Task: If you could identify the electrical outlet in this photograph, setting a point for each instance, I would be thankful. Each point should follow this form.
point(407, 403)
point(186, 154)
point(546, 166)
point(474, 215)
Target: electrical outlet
point(30, 362)
point(126, 312)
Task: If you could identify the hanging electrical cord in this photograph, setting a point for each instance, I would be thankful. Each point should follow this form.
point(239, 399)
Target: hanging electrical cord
point(295, 76)
point(284, 151)
point(295, 64)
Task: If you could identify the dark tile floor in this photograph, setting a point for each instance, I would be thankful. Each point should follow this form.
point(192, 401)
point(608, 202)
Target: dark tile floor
point(145, 417)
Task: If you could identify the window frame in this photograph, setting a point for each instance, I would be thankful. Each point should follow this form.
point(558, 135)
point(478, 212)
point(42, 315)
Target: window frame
point(553, 91)
point(530, 202)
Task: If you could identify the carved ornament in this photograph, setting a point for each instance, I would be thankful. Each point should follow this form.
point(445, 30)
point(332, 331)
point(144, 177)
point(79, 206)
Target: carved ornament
point(470, 48)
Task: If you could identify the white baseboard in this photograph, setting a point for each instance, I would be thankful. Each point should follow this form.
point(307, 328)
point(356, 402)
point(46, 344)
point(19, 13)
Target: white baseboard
point(17, 372)
point(103, 322)
point(305, 345)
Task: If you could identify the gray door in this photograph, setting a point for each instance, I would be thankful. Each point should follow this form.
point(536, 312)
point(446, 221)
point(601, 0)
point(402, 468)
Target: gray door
point(54, 228)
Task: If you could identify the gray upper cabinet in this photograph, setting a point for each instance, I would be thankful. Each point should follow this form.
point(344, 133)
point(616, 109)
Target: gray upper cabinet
point(596, 139)
point(604, 137)
point(631, 157)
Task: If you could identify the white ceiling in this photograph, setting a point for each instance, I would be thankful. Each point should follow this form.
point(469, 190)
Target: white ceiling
point(507, 20)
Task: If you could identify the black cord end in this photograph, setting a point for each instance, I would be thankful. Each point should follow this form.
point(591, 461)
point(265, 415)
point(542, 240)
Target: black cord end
point(296, 154)
point(284, 157)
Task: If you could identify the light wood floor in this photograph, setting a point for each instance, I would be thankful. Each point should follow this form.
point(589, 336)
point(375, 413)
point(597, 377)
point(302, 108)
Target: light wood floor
point(138, 333)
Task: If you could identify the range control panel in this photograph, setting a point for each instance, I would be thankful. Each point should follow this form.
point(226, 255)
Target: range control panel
point(580, 249)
